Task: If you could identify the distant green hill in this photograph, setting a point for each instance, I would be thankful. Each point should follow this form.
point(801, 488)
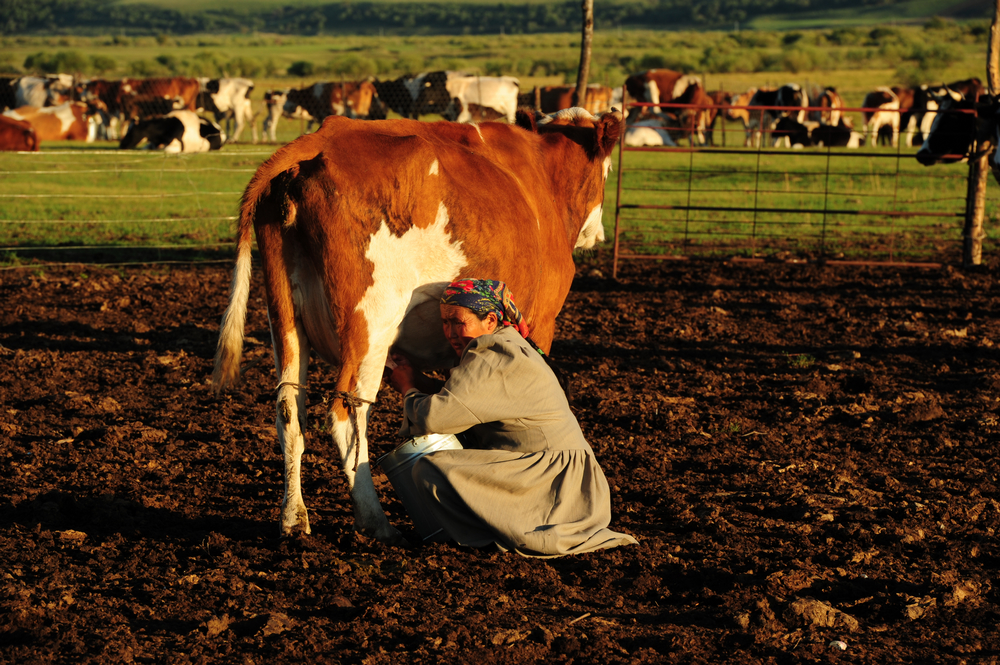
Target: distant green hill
point(413, 17)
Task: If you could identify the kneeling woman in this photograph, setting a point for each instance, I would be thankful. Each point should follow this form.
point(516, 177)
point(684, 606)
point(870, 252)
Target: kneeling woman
point(528, 480)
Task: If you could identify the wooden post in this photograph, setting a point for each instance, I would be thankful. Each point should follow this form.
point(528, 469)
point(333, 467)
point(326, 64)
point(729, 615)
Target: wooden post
point(993, 53)
point(979, 167)
point(580, 94)
point(975, 209)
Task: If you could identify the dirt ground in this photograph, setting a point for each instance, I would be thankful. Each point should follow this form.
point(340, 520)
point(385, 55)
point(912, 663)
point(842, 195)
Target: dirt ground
point(806, 454)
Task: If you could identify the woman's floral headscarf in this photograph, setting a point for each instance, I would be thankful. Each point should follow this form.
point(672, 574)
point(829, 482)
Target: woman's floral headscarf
point(483, 296)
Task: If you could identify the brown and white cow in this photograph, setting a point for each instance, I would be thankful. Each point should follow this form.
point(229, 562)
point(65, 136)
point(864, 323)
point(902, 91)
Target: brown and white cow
point(176, 87)
point(658, 85)
point(69, 121)
point(881, 109)
point(17, 135)
point(361, 225)
point(827, 107)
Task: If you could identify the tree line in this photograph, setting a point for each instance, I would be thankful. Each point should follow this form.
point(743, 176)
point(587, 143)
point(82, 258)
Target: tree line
point(102, 16)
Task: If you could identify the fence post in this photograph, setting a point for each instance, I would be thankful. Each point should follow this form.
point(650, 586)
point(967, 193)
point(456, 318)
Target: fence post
point(975, 210)
point(618, 195)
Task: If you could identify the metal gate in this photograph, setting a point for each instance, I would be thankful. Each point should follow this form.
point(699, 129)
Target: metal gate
point(834, 205)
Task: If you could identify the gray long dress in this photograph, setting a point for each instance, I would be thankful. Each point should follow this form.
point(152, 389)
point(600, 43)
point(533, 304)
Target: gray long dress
point(531, 483)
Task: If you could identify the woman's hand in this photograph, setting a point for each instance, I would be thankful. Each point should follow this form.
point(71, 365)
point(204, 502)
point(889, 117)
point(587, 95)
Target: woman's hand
point(402, 376)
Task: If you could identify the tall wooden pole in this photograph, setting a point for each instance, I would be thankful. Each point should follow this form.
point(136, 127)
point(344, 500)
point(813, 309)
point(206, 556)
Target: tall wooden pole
point(979, 167)
point(993, 53)
point(586, 42)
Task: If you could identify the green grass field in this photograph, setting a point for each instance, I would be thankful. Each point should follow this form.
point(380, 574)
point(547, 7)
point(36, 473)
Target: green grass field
point(70, 196)
point(876, 204)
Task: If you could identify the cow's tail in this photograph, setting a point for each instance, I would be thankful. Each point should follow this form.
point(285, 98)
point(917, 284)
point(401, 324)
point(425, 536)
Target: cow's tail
point(281, 166)
point(230, 347)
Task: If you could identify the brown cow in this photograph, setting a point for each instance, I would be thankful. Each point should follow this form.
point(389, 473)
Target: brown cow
point(17, 135)
point(553, 98)
point(361, 225)
point(106, 97)
point(69, 121)
point(186, 89)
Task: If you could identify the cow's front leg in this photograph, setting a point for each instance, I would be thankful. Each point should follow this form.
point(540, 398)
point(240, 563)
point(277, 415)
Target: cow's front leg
point(357, 388)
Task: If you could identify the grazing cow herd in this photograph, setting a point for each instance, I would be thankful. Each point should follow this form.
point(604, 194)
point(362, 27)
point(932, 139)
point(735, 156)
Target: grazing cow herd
point(181, 114)
point(674, 106)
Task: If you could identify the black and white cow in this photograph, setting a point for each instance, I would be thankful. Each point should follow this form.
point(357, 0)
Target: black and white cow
point(179, 131)
point(791, 133)
point(766, 106)
point(960, 124)
point(228, 100)
point(841, 135)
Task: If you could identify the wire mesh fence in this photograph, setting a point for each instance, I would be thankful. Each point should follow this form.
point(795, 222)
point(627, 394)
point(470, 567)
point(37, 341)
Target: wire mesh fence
point(869, 204)
point(76, 201)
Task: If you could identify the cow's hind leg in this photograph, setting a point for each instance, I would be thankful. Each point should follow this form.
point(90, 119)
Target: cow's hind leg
point(292, 361)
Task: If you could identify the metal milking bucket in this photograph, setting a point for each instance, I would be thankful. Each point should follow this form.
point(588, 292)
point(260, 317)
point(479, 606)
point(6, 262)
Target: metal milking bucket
point(398, 467)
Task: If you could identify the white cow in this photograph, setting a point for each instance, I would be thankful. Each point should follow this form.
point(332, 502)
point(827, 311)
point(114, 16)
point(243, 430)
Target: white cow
point(648, 133)
point(493, 92)
point(38, 91)
point(229, 100)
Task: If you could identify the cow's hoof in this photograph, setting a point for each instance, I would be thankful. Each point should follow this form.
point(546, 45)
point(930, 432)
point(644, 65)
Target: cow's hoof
point(296, 524)
point(388, 535)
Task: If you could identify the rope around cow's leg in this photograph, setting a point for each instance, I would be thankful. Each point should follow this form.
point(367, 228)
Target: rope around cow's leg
point(351, 404)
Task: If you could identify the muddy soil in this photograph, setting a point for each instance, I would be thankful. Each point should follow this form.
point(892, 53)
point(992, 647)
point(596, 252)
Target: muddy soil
point(807, 456)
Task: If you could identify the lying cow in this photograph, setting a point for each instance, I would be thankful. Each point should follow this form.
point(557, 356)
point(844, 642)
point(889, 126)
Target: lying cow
point(790, 133)
point(17, 135)
point(646, 133)
point(841, 135)
point(361, 225)
point(71, 121)
point(180, 131)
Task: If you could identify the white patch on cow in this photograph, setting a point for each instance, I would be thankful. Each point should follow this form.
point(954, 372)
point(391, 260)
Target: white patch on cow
point(93, 122)
point(653, 94)
point(414, 85)
point(14, 114)
point(606, 167)
point(480, 132)
point(592, 231)
point(402, 265)
point(434, 168)
point(683, 83)
point(64, 112)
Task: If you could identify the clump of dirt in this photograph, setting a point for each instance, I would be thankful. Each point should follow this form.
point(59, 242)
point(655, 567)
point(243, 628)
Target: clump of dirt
point(806, 454)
